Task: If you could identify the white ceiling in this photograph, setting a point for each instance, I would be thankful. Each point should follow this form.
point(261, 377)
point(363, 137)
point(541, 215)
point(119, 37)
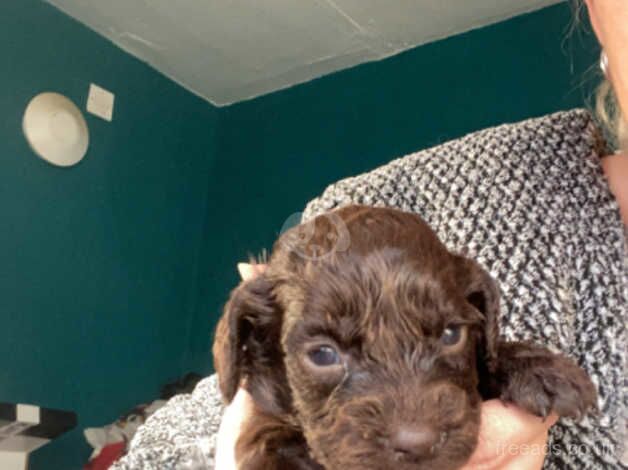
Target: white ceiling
point(230, 50)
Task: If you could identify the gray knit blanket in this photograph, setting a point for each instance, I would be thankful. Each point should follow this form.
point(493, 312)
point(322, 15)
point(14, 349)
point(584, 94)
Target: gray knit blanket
point(530, 202)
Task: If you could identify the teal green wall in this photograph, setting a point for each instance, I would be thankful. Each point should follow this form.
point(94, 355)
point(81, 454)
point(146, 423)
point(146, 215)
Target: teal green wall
point(114, 271)
point(280, 150)
point(99, 262)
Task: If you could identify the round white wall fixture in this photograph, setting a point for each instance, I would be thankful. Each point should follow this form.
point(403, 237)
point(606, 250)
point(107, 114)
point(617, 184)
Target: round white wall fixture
point(56, 129)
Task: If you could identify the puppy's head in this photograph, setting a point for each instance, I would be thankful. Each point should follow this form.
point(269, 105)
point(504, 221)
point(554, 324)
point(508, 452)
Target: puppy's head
point(374, 350)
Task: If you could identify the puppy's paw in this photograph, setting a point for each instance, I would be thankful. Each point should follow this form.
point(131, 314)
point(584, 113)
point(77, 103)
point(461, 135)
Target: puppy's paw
point(542, 382)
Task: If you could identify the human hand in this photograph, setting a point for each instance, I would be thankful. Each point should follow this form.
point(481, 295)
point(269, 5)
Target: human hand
point(240, 408)
point(234, 416)
point(510, 439)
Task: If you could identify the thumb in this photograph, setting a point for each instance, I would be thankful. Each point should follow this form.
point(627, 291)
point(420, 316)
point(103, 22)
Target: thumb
point(230, 427)
point(504, 427)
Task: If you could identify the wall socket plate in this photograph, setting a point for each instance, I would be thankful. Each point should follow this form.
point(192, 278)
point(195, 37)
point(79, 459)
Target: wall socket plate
point(100, 102)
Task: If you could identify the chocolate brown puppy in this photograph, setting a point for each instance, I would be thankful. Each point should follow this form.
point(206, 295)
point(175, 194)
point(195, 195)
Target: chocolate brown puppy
point(366, 344)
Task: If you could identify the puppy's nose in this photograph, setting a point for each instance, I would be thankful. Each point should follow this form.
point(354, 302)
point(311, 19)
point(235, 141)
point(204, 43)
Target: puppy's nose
point(414, 441)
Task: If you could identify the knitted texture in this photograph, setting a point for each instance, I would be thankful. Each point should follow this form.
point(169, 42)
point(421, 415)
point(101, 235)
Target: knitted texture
point(180, 435)
point(529, 201)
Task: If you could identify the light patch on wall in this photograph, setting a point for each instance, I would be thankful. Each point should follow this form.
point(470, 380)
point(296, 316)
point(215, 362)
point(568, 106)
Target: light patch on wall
point(100, 102)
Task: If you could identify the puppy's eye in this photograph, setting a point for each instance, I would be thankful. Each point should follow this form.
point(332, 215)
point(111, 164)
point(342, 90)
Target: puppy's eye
point(324, 356)
point(452, 335)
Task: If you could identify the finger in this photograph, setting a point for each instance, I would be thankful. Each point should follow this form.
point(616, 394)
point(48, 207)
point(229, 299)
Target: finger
point(505, 421)
point(504, 426)
point(528, 456)
point(249, 271)
point(230, 426)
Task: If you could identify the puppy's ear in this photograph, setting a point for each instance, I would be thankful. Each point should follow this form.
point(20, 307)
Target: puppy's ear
point(247, 348)
point(482, 293)
point(542, 382)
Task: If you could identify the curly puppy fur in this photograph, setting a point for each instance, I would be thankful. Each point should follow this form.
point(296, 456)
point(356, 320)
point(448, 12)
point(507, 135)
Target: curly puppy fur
point(376, 353)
